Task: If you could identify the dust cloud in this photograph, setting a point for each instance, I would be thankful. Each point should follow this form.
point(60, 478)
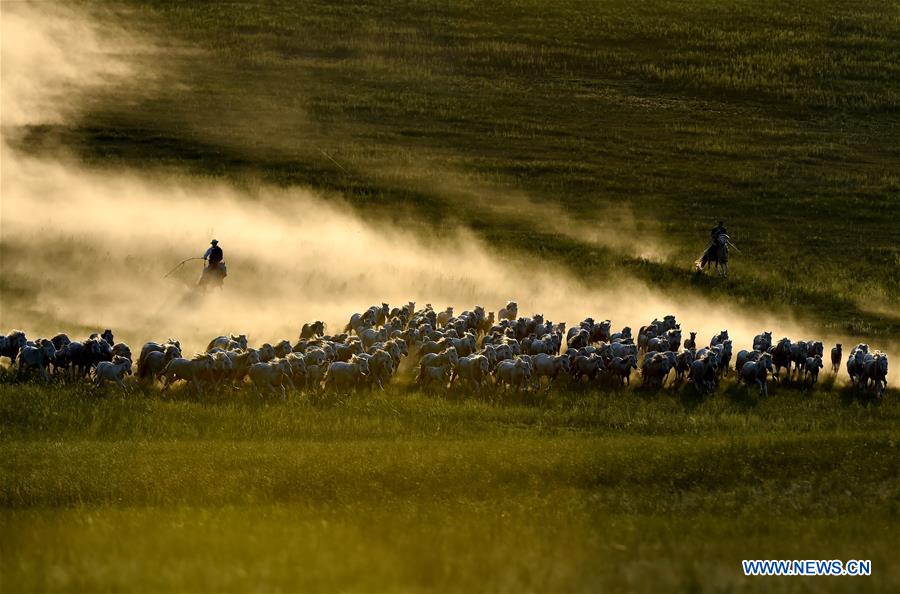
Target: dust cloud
point(96, 246)
point(613, 227)
point(86, 249)
point(55, 60)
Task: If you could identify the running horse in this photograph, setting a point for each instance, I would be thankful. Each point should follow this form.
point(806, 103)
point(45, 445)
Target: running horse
point(717, 252)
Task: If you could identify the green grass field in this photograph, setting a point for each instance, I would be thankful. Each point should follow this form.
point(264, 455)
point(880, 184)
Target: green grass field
point(586, 491)
point(580, 133)
point(651, 121)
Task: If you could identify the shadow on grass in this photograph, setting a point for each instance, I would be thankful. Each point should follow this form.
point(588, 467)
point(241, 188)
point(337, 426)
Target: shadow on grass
point(850, 395)
point(690, 398)
point(741, 396)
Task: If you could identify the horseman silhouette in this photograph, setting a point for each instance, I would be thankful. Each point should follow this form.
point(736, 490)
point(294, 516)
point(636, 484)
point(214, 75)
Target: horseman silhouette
point(215, 272)
point(717, 251)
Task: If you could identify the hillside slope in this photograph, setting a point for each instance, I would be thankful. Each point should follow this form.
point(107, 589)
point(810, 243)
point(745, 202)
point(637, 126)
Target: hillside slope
point(606, 138)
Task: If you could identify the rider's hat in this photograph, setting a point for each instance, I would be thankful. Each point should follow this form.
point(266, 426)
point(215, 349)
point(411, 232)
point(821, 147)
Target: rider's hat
point(214, 241)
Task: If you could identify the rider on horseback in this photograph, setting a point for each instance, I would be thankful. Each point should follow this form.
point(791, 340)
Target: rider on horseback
point(215, 267)
point(710, 254)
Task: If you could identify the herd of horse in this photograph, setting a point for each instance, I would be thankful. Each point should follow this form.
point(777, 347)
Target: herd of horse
point(497, 351)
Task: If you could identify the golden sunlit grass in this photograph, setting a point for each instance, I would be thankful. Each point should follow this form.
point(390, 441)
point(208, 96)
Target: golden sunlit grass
point(588, 490)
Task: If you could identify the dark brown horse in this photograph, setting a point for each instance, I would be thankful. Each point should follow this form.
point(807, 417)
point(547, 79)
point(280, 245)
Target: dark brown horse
point(716, 252)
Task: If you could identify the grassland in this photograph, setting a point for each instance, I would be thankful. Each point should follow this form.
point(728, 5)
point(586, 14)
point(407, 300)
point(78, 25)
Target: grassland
point(652, 120)
point(586, 491)
point(649, 120)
